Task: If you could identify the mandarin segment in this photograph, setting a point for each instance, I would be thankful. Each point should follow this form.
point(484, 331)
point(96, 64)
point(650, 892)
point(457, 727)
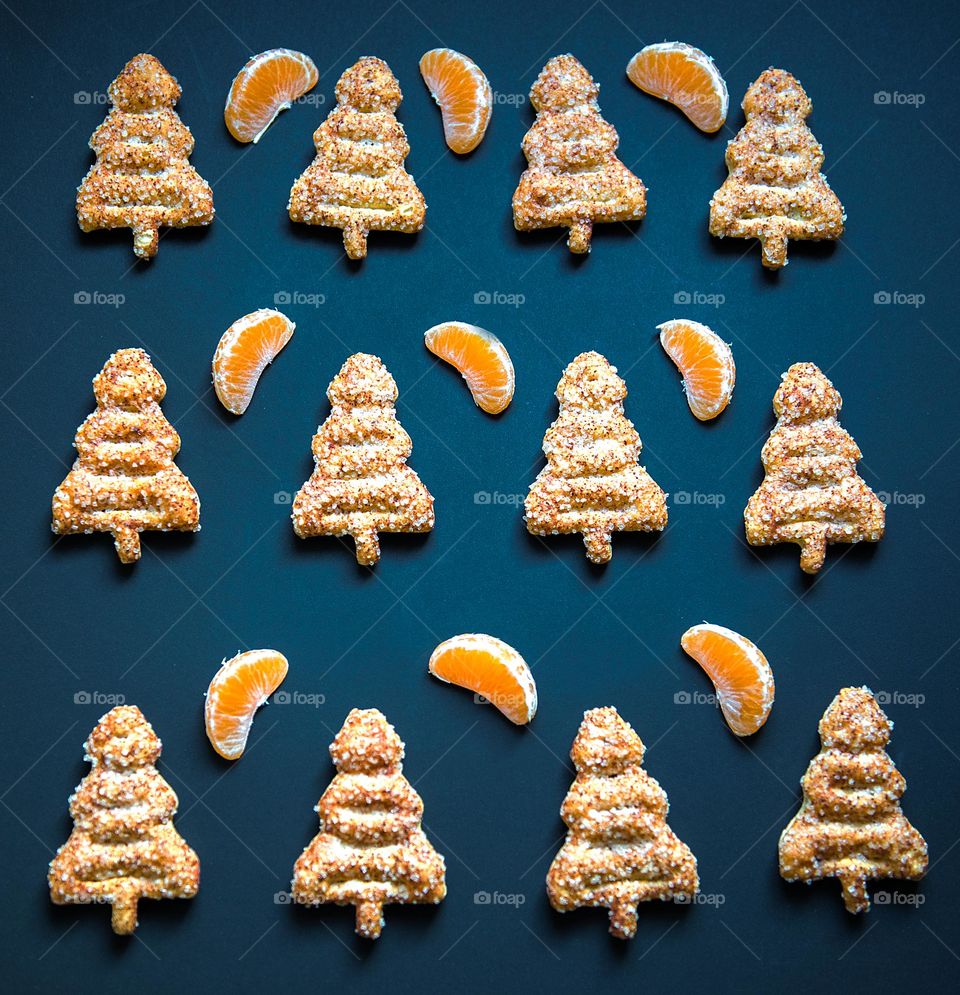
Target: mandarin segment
point(706, 363)
point(266, 85)
point(685, 77)
point(490, 667)
point(245, 350)
point(238, 689)
point(463, 94)
point(481, 359)
point(740, 673)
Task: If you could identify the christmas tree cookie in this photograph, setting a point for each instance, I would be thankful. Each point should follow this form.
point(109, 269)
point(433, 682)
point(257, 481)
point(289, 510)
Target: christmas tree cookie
point(775, 190)
point(142, 178)
point(592, 482)
point(850, 825)
point(357, 181)
point(812, 493)
point(371, 850)
point(619, 849)
point(124, 480)
point(123, 846)
point(573, 177)
point(361, 484)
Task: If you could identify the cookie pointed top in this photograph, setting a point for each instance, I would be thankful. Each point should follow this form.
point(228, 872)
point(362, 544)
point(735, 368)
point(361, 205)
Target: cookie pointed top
point(128, 380)
point(366, 742)
point(777, 94)
point(605, 743)
point(563, 82)
point(144, 84)
point(855, 722)
point(591, 380)
point(806, 394)
point(369, 86)
point(363, 379)
point(123, 738)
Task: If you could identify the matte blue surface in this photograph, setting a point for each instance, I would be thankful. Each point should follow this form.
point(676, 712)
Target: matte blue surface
point(79, 628)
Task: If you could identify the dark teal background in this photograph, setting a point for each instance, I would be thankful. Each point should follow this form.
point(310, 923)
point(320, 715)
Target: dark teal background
point(79, 628)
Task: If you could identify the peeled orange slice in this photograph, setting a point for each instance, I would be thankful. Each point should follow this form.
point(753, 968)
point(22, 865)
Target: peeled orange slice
point(706, 363)
point(459, 86)
point(246, 348)
point(489, 667)
point(481, 358)
point(238, 689)
point(739, 671)
point(684, 76)
point(266, 85)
